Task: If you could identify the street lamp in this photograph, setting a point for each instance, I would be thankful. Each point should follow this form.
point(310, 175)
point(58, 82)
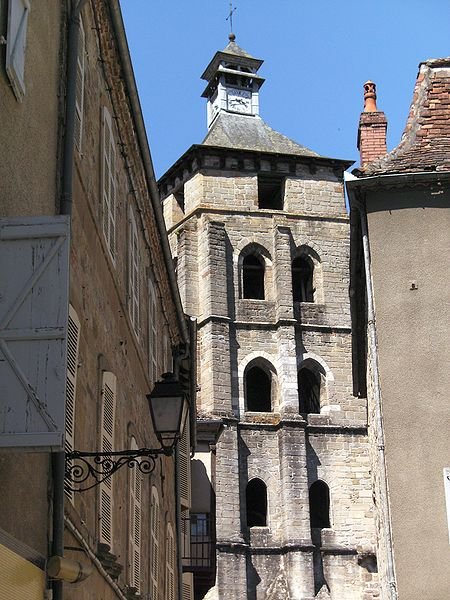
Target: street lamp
point(168, 410)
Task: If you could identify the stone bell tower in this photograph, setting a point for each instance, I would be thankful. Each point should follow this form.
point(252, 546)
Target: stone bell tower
point(259, 229)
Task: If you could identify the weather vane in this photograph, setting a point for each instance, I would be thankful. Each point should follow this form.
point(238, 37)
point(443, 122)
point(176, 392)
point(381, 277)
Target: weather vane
point(230, 16)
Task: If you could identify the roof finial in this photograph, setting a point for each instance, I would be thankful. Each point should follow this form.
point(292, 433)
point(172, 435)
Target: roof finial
point(370, 97)
point(231, 37)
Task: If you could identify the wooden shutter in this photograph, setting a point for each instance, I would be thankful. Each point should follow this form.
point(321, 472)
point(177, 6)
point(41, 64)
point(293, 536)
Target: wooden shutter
point(135, 524)
point(16, 37)
point(109, 184)
point(170, 564)
point(134, 273)
point(152, 333)
point(34, 303)
point(188, 586)
point(109, 392)
point(185, 467)
point(73, 341)
point(79, 89)
point(154, 544)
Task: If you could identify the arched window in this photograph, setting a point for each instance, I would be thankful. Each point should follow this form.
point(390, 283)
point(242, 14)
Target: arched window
point(253, 277)
point(302, 279)
point(319, 505)
point(258, 390)
point(256, 499)
point(308, 391)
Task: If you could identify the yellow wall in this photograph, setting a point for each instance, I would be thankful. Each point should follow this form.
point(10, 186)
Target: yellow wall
point(19, 578)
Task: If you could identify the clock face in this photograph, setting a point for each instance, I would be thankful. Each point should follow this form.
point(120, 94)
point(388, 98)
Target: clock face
point(239, 100)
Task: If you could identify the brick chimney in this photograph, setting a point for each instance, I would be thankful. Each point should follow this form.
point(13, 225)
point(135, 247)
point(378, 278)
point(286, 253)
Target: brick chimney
point(372, 127)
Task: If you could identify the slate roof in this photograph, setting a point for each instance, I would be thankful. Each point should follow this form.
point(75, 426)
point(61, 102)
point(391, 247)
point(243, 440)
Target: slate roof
point(233, 48)
point(246, 132)
point(425, 144)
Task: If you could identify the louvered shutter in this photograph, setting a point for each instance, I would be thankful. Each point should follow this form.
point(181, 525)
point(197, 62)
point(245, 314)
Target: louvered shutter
point(154, 544)
point(79, 87)
point(16, 36)
point(188, 586)
point(152, 333)
point(134, 273)
point(109, 184)
point(135, 524)
point(73, 340)
point(170, 564)
point(107, 445)
point(185, 467)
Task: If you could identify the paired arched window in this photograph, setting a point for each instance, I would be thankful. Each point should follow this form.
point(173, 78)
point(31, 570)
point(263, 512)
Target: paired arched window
point(258, 390)
point(253, 277)
point(303, 279)
point(319, 505)
point(256, 501)
point(308, 391)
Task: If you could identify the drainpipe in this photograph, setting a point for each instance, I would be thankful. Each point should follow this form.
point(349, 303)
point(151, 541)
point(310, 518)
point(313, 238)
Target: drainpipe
point(69, 126)
point(58, 458)
point(381, 456)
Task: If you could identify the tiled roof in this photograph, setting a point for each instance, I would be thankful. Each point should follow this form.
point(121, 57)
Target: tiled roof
point(246, 132)
point(425, 144)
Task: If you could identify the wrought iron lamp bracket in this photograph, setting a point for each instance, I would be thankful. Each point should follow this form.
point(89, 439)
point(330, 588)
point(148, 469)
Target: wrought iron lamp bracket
point(86, 470)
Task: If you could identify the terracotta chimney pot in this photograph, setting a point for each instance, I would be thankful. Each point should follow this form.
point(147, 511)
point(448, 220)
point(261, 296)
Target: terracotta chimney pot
point(372, 127)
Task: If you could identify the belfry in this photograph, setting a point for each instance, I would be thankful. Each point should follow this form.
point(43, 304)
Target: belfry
point(281, 482)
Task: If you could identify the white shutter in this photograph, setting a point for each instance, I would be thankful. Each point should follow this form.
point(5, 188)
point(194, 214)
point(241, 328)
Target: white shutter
point(135, 524)
point(34, 276)
point(109, 392)
point(79, 88)
point(109, 184)
point(170, 564)
point(154, 545)
point(188, 586)
point(73, 340)
point(134, 274)
point(185, 467)
point(16, 37)
point(152, 333)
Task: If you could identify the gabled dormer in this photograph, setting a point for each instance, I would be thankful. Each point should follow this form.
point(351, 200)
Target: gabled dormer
point(233, 82)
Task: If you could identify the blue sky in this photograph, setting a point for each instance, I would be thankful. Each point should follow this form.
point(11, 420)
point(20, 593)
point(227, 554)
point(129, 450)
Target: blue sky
point(317, 55)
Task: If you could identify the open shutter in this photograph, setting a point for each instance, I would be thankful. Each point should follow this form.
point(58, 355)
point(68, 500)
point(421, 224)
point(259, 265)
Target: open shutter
point(185, 467)
point(152, 333)
point(109, 184)
point(16, 37)
point(170, 564)
point(34, 275)
point(73, 340)
point(134, 274)
point(154, 544)
point(135, 524)
point(107, 445)
point(79, 89)
point(188, 586)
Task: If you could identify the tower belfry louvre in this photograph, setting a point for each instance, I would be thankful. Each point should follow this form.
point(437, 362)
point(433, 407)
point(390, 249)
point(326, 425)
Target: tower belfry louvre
point(281, 476)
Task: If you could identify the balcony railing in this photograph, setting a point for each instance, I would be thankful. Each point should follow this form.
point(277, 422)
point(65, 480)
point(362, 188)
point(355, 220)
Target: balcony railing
point(199, 547)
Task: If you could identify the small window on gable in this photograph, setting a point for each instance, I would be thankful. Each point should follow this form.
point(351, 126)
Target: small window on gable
point(258, 390)
point(256, 501)
point(270, 192)
point(16, 36)
point(319, 505)
point(253, 277)
point(302, 279)
point(308, 391)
